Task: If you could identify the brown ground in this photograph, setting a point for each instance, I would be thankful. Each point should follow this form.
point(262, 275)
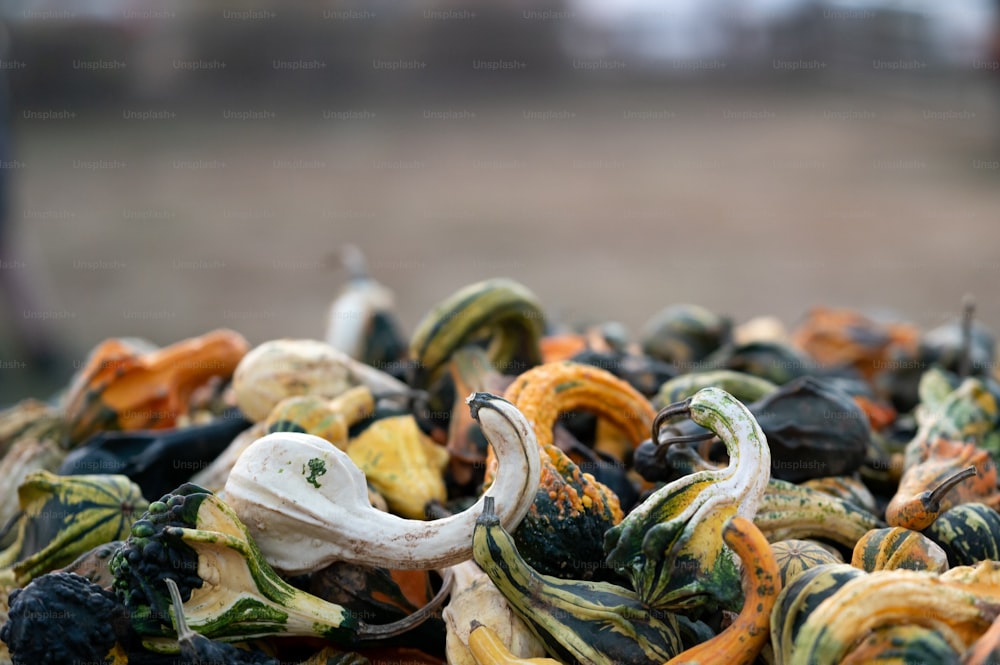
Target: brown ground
point(895, 206)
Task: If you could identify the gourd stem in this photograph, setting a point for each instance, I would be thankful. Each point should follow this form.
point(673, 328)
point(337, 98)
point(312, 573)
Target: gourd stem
point(668, 412)
point(964, 359)
point(933, 500)
point(414, 619)
point(434, 510)
point(691, 438)
point(183, 631)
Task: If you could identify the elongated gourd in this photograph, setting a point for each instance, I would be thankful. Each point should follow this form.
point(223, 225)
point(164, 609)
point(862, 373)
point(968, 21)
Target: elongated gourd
point(950, 474)
point(796, 511)
point(306, 503)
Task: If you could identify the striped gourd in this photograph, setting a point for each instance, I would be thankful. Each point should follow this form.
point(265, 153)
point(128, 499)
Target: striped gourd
point(799, 599)
point(795, 557)
point(906, 645)
point(968, 533)
point(848, 488)
point(503, 309)
point(588, 622)
point(961, 602)
point(796, 511)
point(66, 516)
point(745, 387)
point(896, 548)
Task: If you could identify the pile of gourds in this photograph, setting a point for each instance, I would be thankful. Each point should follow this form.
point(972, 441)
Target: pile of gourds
point(497, 489)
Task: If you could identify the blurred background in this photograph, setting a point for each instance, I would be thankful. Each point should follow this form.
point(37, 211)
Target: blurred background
point(173, 167)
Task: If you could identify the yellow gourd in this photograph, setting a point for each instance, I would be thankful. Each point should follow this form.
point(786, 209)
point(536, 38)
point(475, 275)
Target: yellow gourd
point(403, 464)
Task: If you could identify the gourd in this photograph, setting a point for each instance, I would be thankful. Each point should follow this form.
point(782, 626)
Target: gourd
point(229, 592)
point(683, 334)
point(969, 413)
point(63, 517)
point(895, 548)
point(961, 602)
point(799, 600)
point(796, 511)
point(28, 455)
point(743, 639)
point(839, 337)
point(745, 387)
point(848, 488)
point(474, 598)
point(813, 429)
point(306, 503)
point(329, 419)
point(360, 321)
point(986, 650)
point(904, 645)
point(563, 531)
point(123, 388)
point(30, 419)
point(487, 648)
point(281, 368)
point(577, 621)
point(968, 533)
point(671, 545)
point(501, 310)
point(795, 557)
point(402, 464)
point(948, 473)
point(471, 371)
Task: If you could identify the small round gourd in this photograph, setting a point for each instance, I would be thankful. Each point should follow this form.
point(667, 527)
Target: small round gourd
point(968, 533)
point(795, 557)
point(895, 548)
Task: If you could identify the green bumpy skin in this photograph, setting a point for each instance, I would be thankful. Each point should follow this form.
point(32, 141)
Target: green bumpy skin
point(230, 592)
point(151, 554)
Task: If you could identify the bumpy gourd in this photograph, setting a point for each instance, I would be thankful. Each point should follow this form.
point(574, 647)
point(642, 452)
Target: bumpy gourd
point(562, 533)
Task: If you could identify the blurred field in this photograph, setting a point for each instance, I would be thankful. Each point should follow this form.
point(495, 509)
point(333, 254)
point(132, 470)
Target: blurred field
point(609, 201)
